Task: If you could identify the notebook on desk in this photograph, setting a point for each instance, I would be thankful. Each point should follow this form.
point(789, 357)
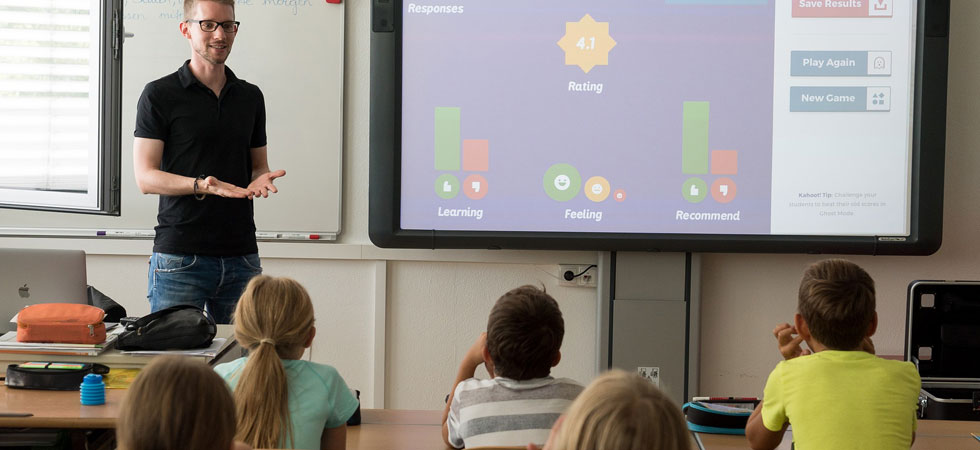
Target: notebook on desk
point(31, 276)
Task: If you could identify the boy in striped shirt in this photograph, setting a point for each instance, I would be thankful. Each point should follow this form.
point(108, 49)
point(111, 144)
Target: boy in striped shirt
point(521, 401)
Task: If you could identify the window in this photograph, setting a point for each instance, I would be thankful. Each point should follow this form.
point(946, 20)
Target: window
point(60, 89)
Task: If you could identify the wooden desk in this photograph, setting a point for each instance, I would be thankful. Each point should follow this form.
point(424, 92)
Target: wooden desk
point(931, 435)
point(389, 429)
point(58, 409)
point(383, 429)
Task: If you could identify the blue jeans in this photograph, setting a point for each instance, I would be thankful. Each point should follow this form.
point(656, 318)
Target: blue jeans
point(213, 282)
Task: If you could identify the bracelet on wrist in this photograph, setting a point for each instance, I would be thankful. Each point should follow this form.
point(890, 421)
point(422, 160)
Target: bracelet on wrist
point(199, 196)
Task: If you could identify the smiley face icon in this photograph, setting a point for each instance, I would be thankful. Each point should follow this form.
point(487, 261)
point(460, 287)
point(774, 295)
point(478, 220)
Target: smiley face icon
point(597, 189)
point(562, 182)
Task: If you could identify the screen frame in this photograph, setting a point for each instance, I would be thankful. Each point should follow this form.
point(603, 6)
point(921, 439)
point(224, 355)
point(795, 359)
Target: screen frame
point(926, 183)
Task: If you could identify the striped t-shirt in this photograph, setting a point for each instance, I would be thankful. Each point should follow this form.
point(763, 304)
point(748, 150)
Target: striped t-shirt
point(506, 412)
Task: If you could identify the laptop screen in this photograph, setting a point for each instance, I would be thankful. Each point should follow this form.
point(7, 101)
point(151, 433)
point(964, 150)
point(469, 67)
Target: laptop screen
point(31, 276)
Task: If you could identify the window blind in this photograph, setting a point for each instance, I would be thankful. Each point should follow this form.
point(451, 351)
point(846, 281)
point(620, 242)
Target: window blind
point(49, 95)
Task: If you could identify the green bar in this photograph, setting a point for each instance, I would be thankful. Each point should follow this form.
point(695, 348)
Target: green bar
point(447, 139)
point(695, 143)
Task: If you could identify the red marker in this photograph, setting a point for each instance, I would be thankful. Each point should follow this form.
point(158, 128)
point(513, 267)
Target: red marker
point(333, 1)
point(299, 236)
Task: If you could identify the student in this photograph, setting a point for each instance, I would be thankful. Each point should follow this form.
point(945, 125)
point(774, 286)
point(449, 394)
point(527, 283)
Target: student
point(620, 411)
point(520, 402)
point(177, 403)
point(282, 401)
point(837, 394)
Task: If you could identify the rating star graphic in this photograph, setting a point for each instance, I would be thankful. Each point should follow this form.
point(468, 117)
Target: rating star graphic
point(586, 43)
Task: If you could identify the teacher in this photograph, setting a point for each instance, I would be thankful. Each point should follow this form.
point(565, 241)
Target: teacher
point(201, 145)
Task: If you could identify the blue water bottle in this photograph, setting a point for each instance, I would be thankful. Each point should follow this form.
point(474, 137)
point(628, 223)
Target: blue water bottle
point(93, 390)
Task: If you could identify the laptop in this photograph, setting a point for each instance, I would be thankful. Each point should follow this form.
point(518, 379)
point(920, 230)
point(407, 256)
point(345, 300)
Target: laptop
point(31, 276)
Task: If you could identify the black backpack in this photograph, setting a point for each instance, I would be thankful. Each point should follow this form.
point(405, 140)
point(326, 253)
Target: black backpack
point(176, 327)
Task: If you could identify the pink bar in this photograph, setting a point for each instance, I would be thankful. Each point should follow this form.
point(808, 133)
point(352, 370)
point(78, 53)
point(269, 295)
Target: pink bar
point(842, 8)
point(476, 155)
point(724, 162)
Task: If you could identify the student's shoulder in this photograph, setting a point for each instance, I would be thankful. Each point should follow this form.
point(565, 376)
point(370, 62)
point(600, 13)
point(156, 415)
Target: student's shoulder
point(568, 383)
point(325, 373)
point(901, 370)
point(477, 383)
point(226, 370)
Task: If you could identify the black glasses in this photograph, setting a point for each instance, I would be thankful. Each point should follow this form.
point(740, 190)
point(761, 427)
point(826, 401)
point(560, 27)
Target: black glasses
point(230, 26)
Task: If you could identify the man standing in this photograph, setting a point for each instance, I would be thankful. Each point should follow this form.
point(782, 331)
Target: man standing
point(201, 145)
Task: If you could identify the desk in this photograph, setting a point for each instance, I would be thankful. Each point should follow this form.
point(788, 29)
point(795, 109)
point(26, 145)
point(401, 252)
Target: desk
point(62, 410)
point(931, 435)
point(383, 429)
point(420, 430)
point(58, 409)
point(389, 429)
point(115, 358)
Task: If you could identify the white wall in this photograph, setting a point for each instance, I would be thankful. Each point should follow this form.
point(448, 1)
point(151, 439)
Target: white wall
point(395, 323)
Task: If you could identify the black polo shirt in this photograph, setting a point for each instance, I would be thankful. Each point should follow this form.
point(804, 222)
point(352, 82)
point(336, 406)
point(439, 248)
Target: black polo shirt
point(204, 134)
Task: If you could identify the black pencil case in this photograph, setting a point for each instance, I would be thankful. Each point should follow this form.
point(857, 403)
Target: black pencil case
point(52, 376)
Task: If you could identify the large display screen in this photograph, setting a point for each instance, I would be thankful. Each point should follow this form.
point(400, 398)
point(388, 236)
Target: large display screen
point(656, 121)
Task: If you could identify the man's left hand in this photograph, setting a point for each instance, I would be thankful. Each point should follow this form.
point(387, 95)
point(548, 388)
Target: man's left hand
point(262, 185)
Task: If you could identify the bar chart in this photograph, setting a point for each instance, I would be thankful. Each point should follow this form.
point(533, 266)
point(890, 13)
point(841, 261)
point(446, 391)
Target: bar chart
point(699, 160)
point(452, 153)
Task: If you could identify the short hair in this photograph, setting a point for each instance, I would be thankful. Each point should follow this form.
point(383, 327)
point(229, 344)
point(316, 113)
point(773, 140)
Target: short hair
point(622, 411)
point(176, 403)
point(189, 5)
point(524, 333)
point(837, 301)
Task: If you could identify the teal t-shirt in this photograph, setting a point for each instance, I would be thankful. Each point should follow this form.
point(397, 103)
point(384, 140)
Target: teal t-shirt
point(318, 398)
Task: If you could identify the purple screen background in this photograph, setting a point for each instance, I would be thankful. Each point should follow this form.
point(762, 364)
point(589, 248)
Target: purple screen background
point(500, 63)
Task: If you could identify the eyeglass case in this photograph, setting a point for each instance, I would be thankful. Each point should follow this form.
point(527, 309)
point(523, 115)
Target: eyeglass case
point(52, 376)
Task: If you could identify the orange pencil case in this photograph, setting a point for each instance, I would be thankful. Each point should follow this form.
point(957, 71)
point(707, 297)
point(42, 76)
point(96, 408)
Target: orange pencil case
point(69, 323)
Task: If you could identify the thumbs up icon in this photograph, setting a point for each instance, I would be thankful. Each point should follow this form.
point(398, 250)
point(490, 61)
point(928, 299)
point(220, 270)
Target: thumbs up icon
point(446, 187)
point(694, 190)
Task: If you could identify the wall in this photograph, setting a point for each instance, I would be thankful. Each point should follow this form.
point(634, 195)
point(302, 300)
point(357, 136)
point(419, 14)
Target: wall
point(396, 323)
point(746, 296)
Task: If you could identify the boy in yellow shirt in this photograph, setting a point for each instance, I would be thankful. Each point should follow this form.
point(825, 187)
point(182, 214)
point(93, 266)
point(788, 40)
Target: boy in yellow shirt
point(839, 395)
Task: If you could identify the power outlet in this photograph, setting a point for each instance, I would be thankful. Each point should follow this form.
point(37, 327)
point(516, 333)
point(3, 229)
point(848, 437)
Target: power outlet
point(580, 275)
point(651, 374)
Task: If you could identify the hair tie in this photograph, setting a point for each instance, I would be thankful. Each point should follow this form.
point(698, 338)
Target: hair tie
point(267, 341)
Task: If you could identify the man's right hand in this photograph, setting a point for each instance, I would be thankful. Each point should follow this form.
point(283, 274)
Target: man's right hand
point(789, 341)
point(213, 186)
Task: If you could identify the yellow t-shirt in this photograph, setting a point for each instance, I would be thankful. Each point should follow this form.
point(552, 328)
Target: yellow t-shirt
point(843, 400)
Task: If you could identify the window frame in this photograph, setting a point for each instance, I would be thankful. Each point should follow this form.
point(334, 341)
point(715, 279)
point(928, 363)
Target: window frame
point(107, 164)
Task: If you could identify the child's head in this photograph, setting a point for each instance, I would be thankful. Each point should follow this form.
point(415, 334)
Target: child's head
point(837, 302)
point(273, 313)
point(176, 403)
point(273, 321)
point(524, 334)
point(621, 411)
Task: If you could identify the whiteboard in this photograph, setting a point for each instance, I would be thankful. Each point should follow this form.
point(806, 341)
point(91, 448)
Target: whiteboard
point(294, 51)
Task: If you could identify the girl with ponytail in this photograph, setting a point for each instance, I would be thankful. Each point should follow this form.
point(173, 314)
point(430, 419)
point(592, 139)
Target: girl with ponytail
point(282, 401)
